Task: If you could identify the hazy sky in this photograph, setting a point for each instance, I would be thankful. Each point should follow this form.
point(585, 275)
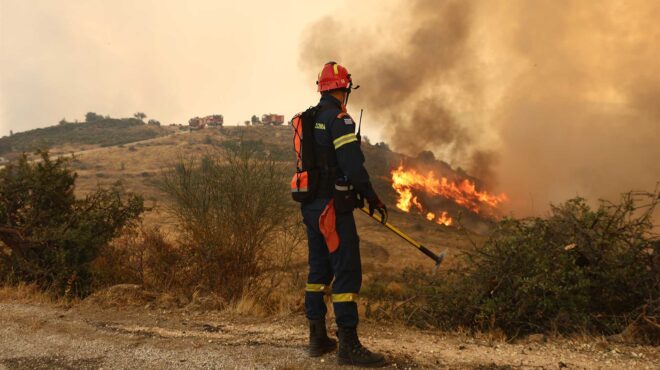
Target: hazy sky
point(544, 99)
point(170, 59)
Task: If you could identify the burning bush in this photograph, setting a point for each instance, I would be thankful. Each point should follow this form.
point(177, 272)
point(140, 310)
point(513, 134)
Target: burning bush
point(578, 269)
point(417, 190)
point(47, 235)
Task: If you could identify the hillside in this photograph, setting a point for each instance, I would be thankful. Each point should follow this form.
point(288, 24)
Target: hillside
point(102, 132)
point(137, 166)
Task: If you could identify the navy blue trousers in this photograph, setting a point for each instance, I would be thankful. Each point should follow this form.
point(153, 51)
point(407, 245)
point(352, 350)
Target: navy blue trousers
point(343, 265)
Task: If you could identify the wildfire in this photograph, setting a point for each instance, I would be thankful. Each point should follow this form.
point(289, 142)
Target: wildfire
point(408, 182)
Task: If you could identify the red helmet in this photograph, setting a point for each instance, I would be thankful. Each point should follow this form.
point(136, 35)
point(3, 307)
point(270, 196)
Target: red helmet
point(333, 76)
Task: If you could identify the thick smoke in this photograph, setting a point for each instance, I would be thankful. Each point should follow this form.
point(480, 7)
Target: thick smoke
point(543, 100)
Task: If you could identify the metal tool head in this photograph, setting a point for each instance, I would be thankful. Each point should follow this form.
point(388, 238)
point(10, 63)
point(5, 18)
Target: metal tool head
point(438, 261)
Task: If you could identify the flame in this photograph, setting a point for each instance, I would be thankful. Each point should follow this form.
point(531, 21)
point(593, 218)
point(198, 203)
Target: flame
point(443, 219)
point(407, 182)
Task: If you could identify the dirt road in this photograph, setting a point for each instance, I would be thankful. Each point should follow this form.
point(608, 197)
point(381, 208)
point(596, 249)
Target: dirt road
point(46, 336)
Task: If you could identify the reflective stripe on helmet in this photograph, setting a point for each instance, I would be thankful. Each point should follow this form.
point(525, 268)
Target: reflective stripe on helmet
point(343, 140)
point(345, 297)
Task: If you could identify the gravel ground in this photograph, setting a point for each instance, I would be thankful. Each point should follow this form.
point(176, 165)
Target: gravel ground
point(51, 337)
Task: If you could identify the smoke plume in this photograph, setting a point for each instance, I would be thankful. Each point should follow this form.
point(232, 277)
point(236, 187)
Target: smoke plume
point(544, 100)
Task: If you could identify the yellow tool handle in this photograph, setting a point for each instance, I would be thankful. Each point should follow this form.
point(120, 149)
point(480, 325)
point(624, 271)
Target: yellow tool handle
point(435, 257)
point(388, 225)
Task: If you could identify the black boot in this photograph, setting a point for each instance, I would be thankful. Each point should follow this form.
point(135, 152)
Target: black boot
point(319, 343)
point(351, 351)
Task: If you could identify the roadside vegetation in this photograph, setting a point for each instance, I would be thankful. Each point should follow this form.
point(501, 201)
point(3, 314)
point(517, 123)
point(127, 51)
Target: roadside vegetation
point(578, 270)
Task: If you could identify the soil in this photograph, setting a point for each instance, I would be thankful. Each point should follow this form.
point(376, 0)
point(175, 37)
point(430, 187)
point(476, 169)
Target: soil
point(38, 336)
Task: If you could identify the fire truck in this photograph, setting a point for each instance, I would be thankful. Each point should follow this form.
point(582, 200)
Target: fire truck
point(214, 120)
point(272, 119)
point(195, 123)
point(198, 123)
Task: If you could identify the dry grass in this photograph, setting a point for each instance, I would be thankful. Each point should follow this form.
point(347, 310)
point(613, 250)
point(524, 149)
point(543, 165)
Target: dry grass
point(27, 293)
point(247, 305)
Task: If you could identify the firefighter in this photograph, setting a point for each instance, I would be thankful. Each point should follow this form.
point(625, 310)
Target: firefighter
point(341, 163)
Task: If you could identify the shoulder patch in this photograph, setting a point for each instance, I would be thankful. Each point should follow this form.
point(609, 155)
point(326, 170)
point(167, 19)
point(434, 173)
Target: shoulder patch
point(319, 126)
point(347, 119)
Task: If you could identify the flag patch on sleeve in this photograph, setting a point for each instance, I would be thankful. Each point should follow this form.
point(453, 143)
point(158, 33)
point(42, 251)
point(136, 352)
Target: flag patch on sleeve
point(348, 121)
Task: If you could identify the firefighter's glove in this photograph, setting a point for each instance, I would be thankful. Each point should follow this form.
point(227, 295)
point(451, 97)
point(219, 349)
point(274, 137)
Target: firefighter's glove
point(375, 204)
point(359, 200)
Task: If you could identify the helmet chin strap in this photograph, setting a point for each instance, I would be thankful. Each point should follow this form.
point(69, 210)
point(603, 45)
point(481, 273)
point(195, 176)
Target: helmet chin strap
point(348, 92)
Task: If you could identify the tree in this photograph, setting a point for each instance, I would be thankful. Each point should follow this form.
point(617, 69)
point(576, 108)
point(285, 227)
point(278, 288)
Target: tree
point(92, 117)
point(48, 235)
point(11, 132)
point(140, 115)
point(255, 120)
point(153, 122)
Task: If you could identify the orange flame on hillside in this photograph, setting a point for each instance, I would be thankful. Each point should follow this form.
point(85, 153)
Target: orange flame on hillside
point(408, 182)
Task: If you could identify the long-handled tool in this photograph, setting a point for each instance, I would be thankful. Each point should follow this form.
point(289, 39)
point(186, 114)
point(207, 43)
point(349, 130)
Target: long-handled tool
point(436, 258)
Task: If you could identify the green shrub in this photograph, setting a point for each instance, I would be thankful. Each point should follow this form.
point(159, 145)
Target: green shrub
point(578, 269)
point(49, 237)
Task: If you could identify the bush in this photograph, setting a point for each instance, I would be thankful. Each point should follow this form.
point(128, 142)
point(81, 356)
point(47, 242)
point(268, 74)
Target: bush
point(578, 269)
point(141, 255)
point(92, 117)
point(49, 237)
point(232, 207)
